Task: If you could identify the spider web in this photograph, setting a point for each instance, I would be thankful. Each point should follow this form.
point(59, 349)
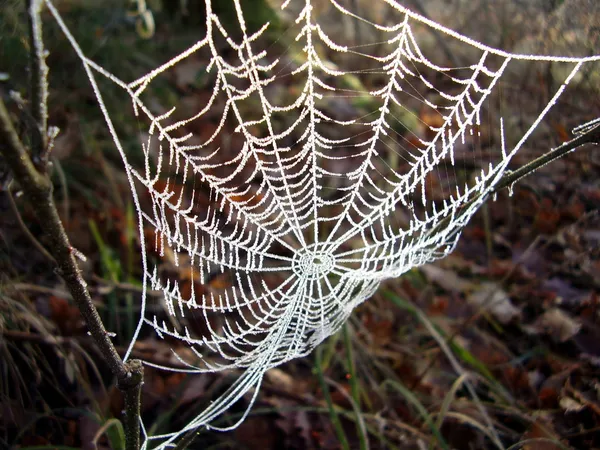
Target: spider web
point(327, 192)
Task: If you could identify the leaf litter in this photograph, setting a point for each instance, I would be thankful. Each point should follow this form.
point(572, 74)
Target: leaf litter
point(537, 355)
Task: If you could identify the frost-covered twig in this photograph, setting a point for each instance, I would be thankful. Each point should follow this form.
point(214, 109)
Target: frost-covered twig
point(35, 183)
point(37, 190)
point(39, 82)
point(587, 134)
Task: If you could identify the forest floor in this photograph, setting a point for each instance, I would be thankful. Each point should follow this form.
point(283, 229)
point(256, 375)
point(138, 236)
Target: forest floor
point(513, 314)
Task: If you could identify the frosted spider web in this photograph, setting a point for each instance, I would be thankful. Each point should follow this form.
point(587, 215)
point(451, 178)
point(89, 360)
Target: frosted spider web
point(319, 202)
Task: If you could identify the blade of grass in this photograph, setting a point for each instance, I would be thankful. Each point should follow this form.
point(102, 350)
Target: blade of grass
point(351, 365)
point(354, 387)
point(413, 400)
point(468, 357)
point(540, 440)
point(447, 402)
point(113, 428)
point(448, 399)
point(329, 351)
point(475, 424)
point(109, 263)
point(373, 430)
point(464, 354)
point(335, 420)
point(433, 331)
point(358, 418)
point(112, 269)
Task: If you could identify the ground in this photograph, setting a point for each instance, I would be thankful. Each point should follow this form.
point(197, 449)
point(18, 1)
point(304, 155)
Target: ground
point(512, 315)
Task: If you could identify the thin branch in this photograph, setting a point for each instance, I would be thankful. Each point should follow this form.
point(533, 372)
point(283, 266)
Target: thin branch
point(588, 134)
point(37, 189)
point(63, 189)
point(39, 82)
point(131, 386)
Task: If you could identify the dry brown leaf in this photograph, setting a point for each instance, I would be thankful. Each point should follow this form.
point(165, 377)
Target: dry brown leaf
point(490, 297)
point(540, 431)
point(555, 322)
point(281, 379)
point(446, 279)
point(569, 404)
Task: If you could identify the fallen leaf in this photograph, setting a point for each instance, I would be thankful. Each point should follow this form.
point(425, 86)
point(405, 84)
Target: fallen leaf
point(547, 217)
point(220, 282)
point(569, 404)
point(490, 297)
point(259, 431)
point(548, 397)
point(65, 315)
point(541, 431)
point(439, 306)
point(446, 279)
point(295, 424)
point(281, 379)
point(556, 323)
point(194, 390)
point(562, 132)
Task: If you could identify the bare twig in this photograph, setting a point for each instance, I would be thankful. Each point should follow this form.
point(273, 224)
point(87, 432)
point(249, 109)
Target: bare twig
point(37, 189)
point(131, 386)
point(587, 134)
point(63, 189)
point(39, 82)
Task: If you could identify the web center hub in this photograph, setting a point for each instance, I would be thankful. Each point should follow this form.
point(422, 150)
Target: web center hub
point(312, 264)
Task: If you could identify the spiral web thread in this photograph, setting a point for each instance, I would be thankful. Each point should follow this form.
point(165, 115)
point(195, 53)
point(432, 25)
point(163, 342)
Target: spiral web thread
point(308, 216)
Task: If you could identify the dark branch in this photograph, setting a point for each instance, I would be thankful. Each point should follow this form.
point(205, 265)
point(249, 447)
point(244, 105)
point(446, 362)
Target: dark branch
point(37, 189)
point(39, 82)
point(588, 134)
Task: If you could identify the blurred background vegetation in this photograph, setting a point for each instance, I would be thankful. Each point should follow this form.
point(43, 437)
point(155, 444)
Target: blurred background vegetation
point(514, 310)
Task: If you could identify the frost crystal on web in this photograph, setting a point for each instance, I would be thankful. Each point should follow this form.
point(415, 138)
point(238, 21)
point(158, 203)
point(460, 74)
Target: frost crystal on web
point(302, 184)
